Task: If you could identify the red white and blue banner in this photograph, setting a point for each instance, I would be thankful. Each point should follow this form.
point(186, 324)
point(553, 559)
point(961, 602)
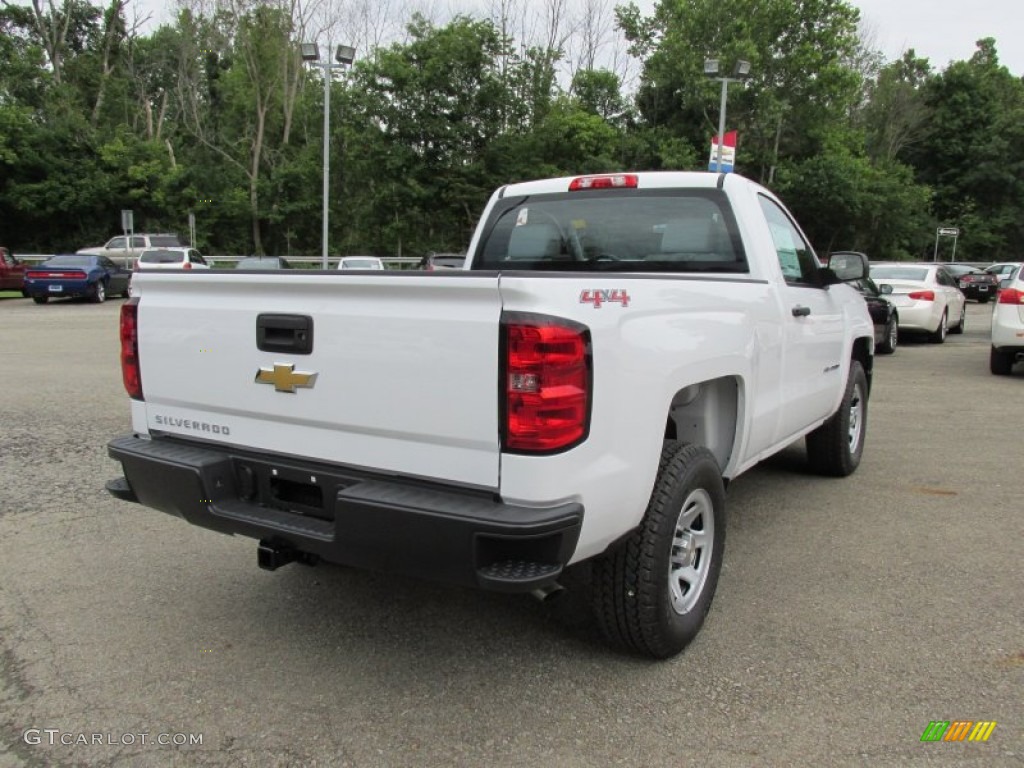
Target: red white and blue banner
point(728, 153)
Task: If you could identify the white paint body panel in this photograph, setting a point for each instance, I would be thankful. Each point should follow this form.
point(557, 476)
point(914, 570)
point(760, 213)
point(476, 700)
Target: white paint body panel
point(407, 367)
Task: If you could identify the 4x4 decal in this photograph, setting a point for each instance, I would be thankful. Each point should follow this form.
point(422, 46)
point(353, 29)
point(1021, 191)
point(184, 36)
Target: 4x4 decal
point(599, 296)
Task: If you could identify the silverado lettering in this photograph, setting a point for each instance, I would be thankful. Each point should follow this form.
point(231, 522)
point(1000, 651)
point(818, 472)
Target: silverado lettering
point(199, 426)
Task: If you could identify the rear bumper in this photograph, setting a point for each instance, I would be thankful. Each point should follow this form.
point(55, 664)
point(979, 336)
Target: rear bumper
point(59, 288)
point(350, 517)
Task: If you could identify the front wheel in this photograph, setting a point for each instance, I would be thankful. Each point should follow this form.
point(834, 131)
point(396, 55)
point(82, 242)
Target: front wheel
point(836, 446)
point(892, 333)
point(651, 594)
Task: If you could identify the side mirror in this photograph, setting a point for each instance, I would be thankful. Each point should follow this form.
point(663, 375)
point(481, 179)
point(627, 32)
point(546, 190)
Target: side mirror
point(848, 266)
point(885, 289)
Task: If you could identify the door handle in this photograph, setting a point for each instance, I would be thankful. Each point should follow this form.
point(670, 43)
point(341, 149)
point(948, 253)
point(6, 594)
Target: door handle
point(799, 311)
point(285, 333)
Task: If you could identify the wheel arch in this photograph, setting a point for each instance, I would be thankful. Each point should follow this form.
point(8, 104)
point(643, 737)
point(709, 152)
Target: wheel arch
point(707, 414)
point(864, 352)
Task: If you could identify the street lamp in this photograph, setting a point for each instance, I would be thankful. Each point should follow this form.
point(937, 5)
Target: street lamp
point(740, 73)
point(344, 55)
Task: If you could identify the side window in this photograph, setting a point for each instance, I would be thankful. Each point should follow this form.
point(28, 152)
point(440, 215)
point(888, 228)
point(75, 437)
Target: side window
point(116, 242)
point(797, 259)
point(6, 258)
point(943, 278)
point(138, 241)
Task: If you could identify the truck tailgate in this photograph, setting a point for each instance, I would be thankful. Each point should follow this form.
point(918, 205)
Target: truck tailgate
point(406, 367)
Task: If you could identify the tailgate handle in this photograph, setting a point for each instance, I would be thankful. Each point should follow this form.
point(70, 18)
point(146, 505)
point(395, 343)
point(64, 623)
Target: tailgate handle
point(285, 333)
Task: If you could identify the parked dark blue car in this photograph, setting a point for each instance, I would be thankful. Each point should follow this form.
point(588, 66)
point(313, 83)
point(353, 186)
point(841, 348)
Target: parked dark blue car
point(76, 275)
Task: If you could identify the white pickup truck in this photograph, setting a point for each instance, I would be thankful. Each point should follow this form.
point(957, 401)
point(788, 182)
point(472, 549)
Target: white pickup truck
point(617, 348)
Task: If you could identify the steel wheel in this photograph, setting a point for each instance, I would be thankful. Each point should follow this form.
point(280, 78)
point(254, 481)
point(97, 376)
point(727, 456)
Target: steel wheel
point(855, 425)
point(692, 543)
point(836, 446)
point(651, 593)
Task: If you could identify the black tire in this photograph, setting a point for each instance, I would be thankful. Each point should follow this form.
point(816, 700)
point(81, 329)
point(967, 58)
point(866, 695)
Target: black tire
point(984, 299)
point(645, 598)
point(40, 299)
point(1000, 362)
point(939, 334)
point(99, 293)
point(836, 446)
point(892, 332)
point(959, 328)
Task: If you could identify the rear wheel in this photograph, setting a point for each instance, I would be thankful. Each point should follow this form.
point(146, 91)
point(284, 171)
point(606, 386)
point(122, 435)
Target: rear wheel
point(99, 294)
point(939, 334)
point(892, 332)
point(651, 594)
point(836, 446)
point(963, 320)
point(40, 299)
point(1000, 362)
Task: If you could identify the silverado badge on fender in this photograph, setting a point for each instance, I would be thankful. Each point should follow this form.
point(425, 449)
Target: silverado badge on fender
point(285, 378)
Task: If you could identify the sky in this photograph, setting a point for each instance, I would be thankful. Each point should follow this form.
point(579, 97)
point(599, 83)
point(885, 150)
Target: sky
point(941, 30)
point(946, 30)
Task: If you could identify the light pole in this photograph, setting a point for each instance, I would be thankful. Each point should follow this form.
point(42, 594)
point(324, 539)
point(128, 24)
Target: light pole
point(740, 73)
point(344, 55)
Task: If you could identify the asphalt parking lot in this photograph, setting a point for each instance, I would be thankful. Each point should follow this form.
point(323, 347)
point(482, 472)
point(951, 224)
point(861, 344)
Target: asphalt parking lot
point(850, 613)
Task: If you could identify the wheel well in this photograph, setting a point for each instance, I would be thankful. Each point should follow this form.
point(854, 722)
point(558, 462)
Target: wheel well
point(863, 353)
point(706, 414)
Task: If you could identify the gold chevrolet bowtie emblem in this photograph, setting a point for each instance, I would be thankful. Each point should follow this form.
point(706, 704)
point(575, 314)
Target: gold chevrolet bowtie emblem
point(285, 378)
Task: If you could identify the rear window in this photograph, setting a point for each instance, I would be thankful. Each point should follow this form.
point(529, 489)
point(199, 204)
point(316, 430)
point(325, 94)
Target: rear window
point(161, 257)
point(359, 264)
point(609, 231)
point(164, 240)
point(70, 260)
point(900, 273)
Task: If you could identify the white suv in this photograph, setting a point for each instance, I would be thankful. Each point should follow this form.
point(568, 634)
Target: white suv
point(168, 258)
point(1008, 325)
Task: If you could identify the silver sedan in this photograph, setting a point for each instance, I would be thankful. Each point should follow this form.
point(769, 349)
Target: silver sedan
point(926, 296)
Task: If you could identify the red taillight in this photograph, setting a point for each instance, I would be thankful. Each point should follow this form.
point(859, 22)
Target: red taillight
point(922, 295)
point(40, 274)
point(546, 383)
point(1011, 296)
point(130, 370)
point(187, 265)
point(611, 181)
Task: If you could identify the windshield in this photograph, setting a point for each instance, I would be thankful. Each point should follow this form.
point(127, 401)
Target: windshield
point(900, 273)
point(161, 257)
point(656, 231)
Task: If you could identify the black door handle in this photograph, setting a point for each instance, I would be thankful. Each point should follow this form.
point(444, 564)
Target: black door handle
point(799, 311)
point(285, 333)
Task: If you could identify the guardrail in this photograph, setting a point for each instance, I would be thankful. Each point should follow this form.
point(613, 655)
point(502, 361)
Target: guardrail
point(392, 262)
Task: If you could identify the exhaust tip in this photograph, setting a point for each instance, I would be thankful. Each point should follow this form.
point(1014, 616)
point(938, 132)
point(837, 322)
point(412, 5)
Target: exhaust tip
point(548, 592)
